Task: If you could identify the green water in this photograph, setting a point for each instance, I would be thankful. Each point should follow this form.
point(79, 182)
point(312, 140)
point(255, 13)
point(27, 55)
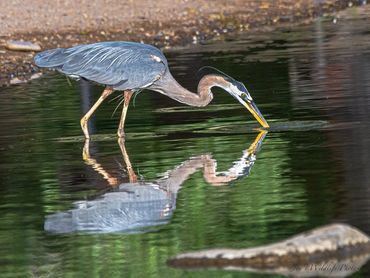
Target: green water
point(316, 75)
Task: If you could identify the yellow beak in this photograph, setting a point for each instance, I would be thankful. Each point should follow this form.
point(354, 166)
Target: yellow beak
point(252, 107)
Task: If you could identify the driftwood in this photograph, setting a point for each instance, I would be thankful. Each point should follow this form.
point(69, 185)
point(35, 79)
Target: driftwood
point(334, 250)
point(22, 46)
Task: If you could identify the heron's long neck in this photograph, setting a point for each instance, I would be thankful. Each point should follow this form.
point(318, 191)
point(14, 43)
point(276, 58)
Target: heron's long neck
point(168, 86)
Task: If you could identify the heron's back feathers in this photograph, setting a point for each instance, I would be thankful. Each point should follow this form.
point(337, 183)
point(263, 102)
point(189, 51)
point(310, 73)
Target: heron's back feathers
point(121, 65)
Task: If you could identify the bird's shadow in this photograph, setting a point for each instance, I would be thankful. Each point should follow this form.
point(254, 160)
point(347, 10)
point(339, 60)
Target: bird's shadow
point(137, 205)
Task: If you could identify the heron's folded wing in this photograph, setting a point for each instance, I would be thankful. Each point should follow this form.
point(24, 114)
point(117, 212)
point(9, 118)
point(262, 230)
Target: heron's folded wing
point(121, 65)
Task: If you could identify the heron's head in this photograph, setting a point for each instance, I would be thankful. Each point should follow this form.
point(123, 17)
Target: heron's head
point(240, 92)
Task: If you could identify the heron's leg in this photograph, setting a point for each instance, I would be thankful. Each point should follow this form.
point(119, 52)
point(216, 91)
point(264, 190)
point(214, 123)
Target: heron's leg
point(113, 181)
point(87, 116)
point(130, 171)
point(127, 96)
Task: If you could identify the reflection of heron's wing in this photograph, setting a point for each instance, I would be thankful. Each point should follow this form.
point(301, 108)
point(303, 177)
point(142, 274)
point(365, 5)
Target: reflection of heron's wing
point(131, 208)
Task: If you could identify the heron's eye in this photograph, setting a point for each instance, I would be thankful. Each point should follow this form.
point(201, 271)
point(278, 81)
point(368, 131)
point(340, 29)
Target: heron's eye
point(243, 95)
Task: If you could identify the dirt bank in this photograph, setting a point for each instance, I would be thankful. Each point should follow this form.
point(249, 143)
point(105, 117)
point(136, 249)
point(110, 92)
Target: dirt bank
point(165, 23)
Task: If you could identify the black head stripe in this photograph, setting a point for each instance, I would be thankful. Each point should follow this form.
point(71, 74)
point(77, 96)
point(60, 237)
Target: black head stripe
point(211, 70)
point(241, 87)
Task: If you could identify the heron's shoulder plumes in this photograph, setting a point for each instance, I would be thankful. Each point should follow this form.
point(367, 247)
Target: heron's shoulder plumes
point(50, 58)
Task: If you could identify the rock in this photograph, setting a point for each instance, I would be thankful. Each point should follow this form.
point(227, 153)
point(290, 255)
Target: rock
point(22, 46)
point(16, 80)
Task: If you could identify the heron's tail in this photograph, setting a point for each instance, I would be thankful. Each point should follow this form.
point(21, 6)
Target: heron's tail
point(52, 58)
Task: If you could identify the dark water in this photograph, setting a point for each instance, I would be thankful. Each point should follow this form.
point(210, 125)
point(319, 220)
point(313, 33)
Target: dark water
point(301, 178)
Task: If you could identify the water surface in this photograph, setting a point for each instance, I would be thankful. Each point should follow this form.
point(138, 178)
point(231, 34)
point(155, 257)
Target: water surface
point(300, 179)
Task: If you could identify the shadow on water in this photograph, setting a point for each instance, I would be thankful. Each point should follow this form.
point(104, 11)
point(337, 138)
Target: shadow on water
point(315, 75)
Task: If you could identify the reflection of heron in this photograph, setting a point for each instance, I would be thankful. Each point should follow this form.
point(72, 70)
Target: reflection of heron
point(131, 67)
point(133, 206)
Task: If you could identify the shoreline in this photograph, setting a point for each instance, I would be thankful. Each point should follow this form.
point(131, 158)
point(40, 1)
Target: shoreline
point(186, 27)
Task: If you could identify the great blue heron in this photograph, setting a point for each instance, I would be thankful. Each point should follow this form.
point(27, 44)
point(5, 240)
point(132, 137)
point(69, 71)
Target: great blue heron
point(131, 67)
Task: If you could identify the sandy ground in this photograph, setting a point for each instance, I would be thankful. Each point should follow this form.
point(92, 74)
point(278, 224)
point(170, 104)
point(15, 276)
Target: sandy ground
point(165, 23)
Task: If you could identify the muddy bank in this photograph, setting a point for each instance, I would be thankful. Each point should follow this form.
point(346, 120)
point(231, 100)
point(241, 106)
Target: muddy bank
point(165, 24)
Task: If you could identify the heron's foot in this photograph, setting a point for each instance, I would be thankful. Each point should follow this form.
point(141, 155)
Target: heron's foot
point(84, 127)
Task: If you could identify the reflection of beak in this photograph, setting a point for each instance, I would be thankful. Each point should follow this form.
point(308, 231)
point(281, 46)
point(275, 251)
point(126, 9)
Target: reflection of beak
point(252, 107)
point(257, 143)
